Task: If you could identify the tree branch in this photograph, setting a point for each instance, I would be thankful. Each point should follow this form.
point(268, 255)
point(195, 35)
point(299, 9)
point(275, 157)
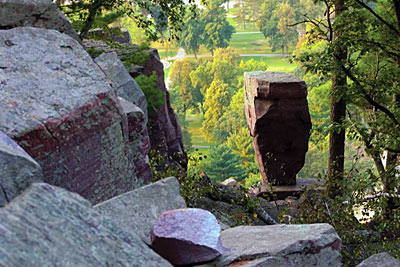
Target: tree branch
point(390, 26)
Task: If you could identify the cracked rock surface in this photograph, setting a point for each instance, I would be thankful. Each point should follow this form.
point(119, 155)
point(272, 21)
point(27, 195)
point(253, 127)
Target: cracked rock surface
point(49, 226)
point(59, 107)
point(281, 245)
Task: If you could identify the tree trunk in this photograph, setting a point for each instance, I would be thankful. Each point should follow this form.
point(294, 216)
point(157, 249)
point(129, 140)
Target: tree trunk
point(93, 9)
point(337, 117)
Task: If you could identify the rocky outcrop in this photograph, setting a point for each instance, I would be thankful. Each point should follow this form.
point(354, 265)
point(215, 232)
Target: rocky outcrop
point(125, 85)
point(279, 121)
point(18, 170)
point(135, 109)
point(59, 107)
point(37, 13)
point(187, 236)
point(49, 226)
point(139, 209)
point(383, 259)
point(164, 130)
point(138, 140)
point(280, 245)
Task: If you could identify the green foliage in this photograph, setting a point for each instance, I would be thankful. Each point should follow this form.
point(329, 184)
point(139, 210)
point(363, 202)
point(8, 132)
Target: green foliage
point(155, 97)
point(135, 56)
point(153, 16)
point(222, 163)
point(188, 94)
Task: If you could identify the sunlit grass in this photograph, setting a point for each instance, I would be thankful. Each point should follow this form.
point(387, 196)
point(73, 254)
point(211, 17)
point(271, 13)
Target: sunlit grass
point(194, 125)
point(274, 63)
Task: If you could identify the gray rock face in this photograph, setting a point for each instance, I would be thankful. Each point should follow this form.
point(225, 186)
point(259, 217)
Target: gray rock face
point(279, 121)
point(34, 13)
point(281, 245)
point(49, 226)
point(18, 170)
point(380, 260)
point(138, 210)
point(57, 105)
point(139, 140)
point(125, 85)
point(187, 236)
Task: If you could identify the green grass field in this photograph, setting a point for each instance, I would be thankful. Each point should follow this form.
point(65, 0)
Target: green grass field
point(167, 50)
point(252, 43)
point(194, 125)
point(274, 63)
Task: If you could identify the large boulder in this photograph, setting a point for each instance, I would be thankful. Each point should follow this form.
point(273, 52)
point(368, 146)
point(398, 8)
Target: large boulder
point(279, 121)
point(383, 259)
point(281, 245)
point(18, 170)
point(59, 107)
point(49, 226)
point(34, 13)
point(187, 236)
point(139, 209)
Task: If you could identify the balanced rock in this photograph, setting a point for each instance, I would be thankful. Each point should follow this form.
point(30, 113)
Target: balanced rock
point(34, 13)
point(57, 104)
point(279, 121)
point(281, 245)
point(139, 209)
point(187, 236)
point(49, 226)
point(18, 170)
point(383, 259)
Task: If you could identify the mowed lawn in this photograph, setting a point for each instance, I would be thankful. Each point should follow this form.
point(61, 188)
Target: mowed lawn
point(274, 63)
point(252, 43)
point(194, 126)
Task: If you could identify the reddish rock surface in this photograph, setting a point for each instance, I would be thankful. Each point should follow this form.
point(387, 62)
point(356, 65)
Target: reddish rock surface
point(58, 106)
point(279, 121)
point(164, 130)
point(187, 236)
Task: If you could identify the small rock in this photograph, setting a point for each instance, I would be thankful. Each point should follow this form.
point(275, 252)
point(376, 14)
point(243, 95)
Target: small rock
point(187, 236)
point(18, 170)
point(230, 182)
point(383, 259)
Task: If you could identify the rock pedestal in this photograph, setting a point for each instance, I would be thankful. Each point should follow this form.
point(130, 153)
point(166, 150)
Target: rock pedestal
point(279, 122)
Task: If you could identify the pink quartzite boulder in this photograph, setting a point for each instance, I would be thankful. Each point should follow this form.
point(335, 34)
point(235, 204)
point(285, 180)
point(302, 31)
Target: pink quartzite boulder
point(58, 106)
point(17, 170)
point(187, 236)
point(279, 121)
point(34, 13)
